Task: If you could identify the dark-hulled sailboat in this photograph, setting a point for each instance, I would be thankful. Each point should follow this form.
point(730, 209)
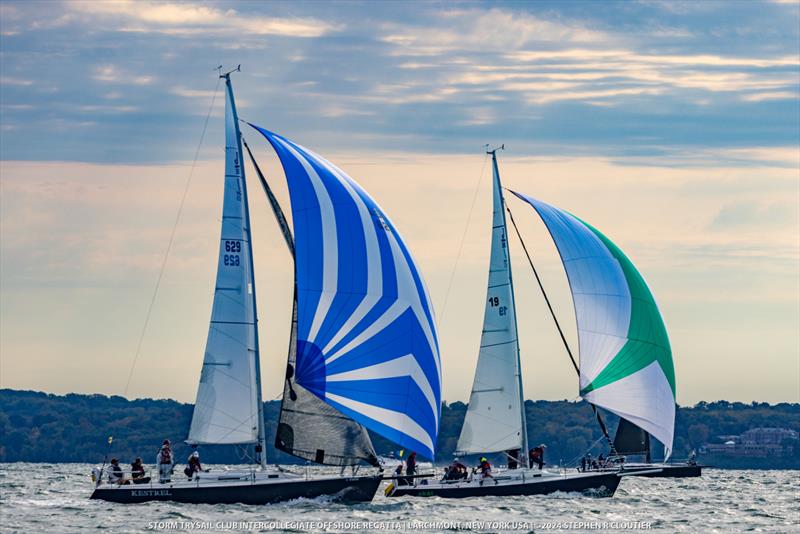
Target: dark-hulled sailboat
point(495, 419)
point(363, 350)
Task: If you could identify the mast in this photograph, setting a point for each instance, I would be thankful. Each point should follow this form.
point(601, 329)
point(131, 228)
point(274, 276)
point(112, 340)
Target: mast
point(496, 173)
point(261, 447)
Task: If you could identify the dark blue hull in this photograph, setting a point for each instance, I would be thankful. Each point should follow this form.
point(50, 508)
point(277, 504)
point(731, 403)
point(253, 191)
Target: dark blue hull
point(345, 489)
point(664, 470)
point(600, 485)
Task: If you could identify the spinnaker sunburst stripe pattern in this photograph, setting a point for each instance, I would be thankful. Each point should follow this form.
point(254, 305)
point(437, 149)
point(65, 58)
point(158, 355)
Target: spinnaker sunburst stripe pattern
point(625, 357)
point(366, 340)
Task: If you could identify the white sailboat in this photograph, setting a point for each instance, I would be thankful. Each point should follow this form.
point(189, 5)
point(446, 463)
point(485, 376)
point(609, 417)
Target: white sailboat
point(495, 420)
point(363, 351)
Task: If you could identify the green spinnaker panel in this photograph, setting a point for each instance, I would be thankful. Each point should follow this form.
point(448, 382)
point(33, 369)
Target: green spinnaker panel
point(647, 335)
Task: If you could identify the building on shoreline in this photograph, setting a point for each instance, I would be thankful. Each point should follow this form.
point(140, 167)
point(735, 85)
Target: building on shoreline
point(756, 443)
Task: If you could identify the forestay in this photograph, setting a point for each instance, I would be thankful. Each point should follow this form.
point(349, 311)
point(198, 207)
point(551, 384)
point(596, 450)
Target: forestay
point(226, 410)
point(625, 357)
point(494, 415)
point(366, 339)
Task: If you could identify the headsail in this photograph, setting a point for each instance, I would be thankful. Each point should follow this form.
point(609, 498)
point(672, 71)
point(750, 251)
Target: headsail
point(226, 410)
point(625, 356)
point(494, 421)
point(366, 339)
point(630, 439)
point(308, 427)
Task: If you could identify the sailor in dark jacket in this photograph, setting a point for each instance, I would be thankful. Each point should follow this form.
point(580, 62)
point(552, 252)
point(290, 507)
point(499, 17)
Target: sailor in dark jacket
point(194, 465)
point(137, 469)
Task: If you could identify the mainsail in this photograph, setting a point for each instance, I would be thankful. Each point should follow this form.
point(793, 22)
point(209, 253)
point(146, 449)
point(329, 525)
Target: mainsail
point(308, 427)
point(228, 398)
point(625, 356)
point(494, 420)
point(366, 338)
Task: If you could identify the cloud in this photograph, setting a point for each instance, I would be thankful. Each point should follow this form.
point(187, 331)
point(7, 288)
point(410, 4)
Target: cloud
point(748, 215)
point(597, 80)
point(587, 75)
point(192, 93)
point(190, 18)
point(114, 74)
point(775, 95)
point(15, 81)
point(108, 109)
point(483, 30)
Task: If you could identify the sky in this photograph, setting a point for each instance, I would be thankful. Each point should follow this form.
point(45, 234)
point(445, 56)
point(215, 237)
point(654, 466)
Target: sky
point(673, 127)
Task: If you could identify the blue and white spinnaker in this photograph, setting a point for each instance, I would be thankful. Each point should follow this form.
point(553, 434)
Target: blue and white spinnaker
point(366, 338)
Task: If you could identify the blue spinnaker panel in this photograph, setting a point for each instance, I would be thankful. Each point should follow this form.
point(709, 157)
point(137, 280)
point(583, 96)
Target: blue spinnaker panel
point(366, 339)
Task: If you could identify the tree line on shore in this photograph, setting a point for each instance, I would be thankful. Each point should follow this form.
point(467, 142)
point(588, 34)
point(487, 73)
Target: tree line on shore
point(41, 427)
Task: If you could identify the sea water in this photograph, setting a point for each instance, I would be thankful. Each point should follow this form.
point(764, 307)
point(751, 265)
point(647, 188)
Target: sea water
point(54, 498)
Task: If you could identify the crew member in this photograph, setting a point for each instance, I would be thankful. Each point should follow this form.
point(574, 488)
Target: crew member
point(115, 474)
point(411, 464)
point(486, 470)
point(459, 470)
point(456, 471)
point(193, 465)
point(398, 472)
point(164, 461)
point(536, 456)
point(137, 470)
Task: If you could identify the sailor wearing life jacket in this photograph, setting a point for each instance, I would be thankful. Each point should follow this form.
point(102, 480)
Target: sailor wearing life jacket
point(115, 474)
point(164, 461)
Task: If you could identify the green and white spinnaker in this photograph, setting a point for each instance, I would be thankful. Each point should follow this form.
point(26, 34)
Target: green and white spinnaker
point(625, 357)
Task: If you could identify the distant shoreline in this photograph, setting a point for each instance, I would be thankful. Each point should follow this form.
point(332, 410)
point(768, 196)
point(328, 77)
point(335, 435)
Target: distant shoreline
point(37, 427)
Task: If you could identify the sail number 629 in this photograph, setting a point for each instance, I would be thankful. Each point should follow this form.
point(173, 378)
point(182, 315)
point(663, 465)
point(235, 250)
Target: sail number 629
point(232, 260)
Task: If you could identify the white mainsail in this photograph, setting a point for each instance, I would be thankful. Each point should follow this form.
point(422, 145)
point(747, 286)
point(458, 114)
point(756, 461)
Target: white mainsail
point(494, 419)
point(226, 410)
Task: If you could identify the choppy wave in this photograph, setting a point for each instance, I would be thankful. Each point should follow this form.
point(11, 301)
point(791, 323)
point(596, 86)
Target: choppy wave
point(55, 499)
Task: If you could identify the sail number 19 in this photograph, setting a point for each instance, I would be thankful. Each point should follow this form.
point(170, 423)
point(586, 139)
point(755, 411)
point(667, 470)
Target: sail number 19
point(232, 260)
point(495, 302)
